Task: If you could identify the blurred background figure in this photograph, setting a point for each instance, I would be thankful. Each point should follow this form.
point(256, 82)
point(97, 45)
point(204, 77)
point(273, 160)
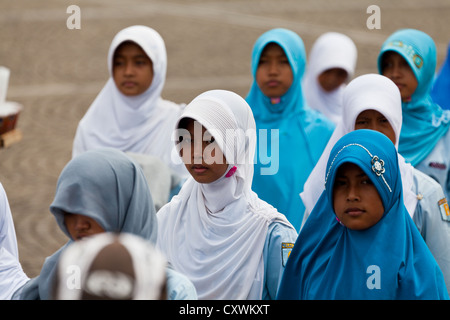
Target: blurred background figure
point(111, 266)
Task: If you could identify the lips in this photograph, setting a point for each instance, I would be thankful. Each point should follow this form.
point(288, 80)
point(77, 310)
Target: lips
point(129, 84)
point(199, 168)
point(273, 83)
point(80, 236)
point(354, 212)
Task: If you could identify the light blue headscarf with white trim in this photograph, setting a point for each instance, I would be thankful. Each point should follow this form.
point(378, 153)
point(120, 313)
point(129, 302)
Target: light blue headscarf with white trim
point(302, 136)
point(389, 260)
point(424, 122)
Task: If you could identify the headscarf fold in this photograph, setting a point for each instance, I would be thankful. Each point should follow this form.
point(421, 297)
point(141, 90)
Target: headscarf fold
point(367, 92)
point(302, 133)
point(140, 124)
point(389, 260)
point(331, 50)
point(424, 122)
point(107, 186)
point(214, 233)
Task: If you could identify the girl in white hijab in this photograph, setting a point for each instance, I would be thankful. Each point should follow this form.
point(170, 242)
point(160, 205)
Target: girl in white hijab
point(227, 241)
point(12, 276)
point(424, 198)
point(331, 65)
point(129, 113)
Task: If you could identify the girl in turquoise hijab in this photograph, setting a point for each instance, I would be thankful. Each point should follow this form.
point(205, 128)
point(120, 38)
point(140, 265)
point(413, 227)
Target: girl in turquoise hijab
point(291, 136)
point(424, 122)
point(335, 258)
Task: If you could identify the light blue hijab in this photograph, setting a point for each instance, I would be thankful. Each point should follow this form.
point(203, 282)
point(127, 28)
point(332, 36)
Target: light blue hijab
point(107, 186)
point(303, 132)
point(424, 122)
point(389, 260)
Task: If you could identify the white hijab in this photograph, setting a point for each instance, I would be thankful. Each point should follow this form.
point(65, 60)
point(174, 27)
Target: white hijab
point(331, 50)
point(215, 233)
point(141, 124)
point(367, 92)
point(12, 276)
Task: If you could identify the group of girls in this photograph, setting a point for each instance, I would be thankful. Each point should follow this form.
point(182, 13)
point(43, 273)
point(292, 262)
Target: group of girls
point(355, 210)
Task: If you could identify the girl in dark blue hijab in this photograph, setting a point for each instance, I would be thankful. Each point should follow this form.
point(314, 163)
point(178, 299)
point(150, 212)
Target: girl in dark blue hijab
point(349, 250)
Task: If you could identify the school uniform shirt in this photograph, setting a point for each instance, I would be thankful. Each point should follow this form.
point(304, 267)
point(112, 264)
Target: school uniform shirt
point(122, 203)
point(424, 197)
point(139, 124)
point(291, 136)
point(226, 240)
point(440, 92)
point(431, 217)
point(437, 164)
point(330, 50)
point(388, 260)
point(425, 123)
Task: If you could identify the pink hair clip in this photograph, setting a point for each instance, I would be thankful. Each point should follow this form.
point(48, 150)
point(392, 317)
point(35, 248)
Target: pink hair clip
point(231, 172)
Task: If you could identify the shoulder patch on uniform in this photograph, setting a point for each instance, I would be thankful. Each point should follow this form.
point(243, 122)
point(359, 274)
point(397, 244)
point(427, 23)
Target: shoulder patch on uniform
point(445, 210)
point(286, 248)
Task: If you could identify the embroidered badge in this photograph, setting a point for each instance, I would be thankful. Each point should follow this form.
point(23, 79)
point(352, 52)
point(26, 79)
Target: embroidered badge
point(445, 210)
point(438, 165)
point(377, 165)
point(286, 248)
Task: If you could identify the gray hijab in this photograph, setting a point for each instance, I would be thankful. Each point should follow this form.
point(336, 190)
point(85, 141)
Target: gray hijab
point(107, 186)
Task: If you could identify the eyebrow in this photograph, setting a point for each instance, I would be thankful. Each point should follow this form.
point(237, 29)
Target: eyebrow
point(138, 56)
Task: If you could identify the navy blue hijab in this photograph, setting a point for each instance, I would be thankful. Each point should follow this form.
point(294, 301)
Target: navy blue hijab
point(389, 260)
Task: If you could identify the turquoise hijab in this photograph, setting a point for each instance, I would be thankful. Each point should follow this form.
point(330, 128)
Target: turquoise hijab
point(389, 260)
point(424, 122)
point(107, 186)
point(285, 158)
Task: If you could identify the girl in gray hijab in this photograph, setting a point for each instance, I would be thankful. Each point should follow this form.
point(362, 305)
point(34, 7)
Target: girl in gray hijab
point(110, 191)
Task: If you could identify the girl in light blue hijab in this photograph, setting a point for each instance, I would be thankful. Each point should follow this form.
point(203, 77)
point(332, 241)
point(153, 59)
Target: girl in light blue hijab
point(425, 136)
point(110, 189)
point(335, 258)
point(291, 136)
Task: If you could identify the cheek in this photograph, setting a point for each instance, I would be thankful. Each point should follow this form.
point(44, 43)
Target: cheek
point(260, 75)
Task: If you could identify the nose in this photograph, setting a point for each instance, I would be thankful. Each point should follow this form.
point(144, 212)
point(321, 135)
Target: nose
point(273, 68)
point(197, 153)
point(129, 69)
point(353, 193)
point(80, 223)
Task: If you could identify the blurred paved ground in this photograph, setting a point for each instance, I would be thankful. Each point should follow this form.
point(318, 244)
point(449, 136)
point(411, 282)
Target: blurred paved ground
point(56, 72)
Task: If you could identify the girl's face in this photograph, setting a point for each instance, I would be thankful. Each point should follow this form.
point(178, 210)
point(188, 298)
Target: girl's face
point(80, 226)
point(398, 70)
point(132, 69)
point(201, 155)
point(332, 79)
point(274, 74)
point(356, 201)
point(374, 120)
